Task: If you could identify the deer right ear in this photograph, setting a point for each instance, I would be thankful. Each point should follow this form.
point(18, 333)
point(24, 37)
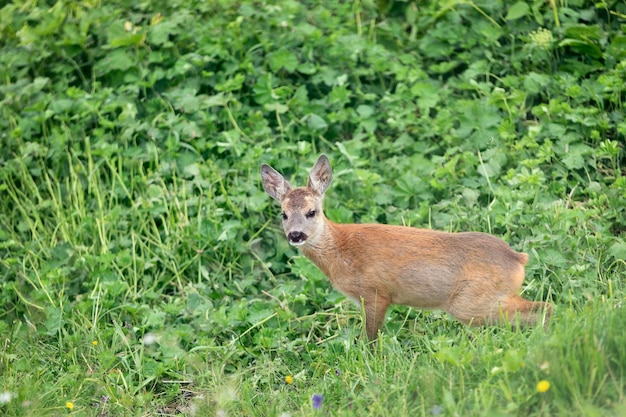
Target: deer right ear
point(321, 175)
point(274, 183)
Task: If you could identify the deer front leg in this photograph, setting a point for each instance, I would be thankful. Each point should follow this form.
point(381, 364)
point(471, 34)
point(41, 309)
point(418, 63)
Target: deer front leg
point(375, 307)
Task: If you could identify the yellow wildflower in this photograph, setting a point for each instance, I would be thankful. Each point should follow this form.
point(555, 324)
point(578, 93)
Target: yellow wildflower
point(69, 405)
point(543, 386)
point(289, 379)
point(95, 343)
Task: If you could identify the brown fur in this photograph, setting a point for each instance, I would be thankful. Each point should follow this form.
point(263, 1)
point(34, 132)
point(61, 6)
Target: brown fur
point(473, 276)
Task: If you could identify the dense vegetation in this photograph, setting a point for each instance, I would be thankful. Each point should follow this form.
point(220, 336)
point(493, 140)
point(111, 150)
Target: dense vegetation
point(143, 270)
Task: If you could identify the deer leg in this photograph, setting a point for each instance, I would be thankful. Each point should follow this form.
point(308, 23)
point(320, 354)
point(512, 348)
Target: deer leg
point(516, 309)
point(375, 308)
point(506, 309)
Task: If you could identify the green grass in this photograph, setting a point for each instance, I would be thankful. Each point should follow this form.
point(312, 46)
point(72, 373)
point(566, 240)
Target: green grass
point(143, 270)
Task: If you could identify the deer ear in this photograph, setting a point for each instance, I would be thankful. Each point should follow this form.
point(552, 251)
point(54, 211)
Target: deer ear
point(274, 183)
point(321, 175)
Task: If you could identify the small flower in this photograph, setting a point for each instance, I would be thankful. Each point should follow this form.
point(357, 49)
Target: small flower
point(543, 386)
point(128, 26)
point(105, 398)
point(95, 343)
point(289, 379)
point(436, 410)
point(337, 373)
point(5, 397)
point(149, 339)
point(316, 399)
point(541, 38)
point(69, 405)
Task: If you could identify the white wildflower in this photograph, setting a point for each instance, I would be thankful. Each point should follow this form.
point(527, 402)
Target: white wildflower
point(5, 397)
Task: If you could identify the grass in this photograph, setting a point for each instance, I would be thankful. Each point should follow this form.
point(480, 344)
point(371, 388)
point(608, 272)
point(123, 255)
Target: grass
point(143, 270)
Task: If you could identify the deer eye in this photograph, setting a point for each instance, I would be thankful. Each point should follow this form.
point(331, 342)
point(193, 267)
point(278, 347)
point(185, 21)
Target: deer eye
point(310, 214)
point(285, 217)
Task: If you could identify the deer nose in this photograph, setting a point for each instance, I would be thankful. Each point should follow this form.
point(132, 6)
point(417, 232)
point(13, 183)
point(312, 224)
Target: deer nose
point(296, 238)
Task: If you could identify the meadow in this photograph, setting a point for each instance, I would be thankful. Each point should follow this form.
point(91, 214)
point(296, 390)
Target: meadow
point(144, 272)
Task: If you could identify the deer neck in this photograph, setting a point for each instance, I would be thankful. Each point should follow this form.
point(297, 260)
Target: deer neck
point(325, 251)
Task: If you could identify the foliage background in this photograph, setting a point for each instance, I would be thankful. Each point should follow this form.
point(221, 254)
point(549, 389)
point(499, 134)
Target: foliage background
point(143, 270)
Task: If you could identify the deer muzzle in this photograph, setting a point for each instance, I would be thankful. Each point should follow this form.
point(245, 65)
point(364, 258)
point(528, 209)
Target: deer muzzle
point(297, 238)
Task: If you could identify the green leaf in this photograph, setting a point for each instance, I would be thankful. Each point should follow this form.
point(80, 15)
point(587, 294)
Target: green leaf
point(316, 122)
point(583, 47)
point(513, 361)
point(276, 107)
point(232, 83)
point(576, 155)
point(54, 320)
point(263, 92)
point(518, 10)
point(307, 68)
point(119, 59)
point(365, 110)
point(135, 39)
point(617, 48)
point(618, 250)
point(574, 160)
point(284, 59)
point(427, 93)
point(584, 32)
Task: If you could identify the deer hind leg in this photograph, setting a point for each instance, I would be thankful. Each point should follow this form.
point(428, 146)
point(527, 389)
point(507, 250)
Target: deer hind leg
point(516, 309)
point(488, 301)
point(512, 308)
point(485, 300)
point(375, 307)
point(508, 309)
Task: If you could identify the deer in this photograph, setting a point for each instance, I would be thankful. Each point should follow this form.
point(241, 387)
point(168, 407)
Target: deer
point(473, 276)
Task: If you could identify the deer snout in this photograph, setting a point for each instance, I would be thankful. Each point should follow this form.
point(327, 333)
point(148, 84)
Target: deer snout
point(297, 238)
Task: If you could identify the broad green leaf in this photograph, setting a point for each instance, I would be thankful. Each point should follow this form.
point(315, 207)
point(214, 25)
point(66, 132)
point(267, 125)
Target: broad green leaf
point(263, 93)
point(307, 68)
point(54, 320)
point(231, 84)
point(427, 93)
point(573, 160)
point(618, 250)
point(135, 39)
point(365, 110)
point(617, 48)
point(584, 32)
point(583, 47)
point(518, 10)
point(283, 59)
point(276, 107)
point(316, 122)
point(118, 59)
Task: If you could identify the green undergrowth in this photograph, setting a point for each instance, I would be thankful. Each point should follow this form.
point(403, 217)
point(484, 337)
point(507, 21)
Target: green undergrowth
point(143, 270)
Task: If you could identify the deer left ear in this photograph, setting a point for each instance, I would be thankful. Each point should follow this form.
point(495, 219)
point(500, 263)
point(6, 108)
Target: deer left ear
point(321, 175)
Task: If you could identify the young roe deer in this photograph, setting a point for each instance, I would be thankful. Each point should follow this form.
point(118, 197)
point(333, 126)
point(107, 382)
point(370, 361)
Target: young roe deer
point(473, 276)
